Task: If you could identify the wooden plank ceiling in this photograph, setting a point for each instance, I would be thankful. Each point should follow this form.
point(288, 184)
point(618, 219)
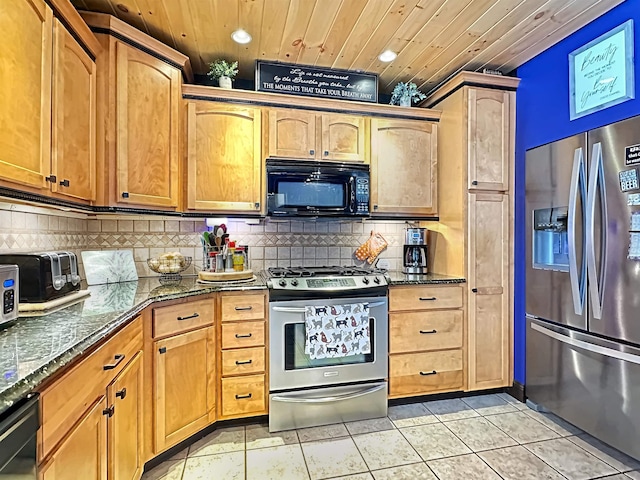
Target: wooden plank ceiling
point(434, 39)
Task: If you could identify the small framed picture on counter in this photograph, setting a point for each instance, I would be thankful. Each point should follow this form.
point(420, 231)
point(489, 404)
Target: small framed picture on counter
point(601, 72)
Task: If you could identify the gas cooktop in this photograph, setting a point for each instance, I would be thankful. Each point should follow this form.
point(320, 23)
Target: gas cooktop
point(325, 279)
point(287, 272)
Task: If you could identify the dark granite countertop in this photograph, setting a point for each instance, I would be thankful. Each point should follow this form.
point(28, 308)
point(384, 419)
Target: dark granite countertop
point(399, 278)
point(34, 348)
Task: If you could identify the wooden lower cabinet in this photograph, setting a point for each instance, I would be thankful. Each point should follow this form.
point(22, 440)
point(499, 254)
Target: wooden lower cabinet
point(426, 340)
point(489, 284)
point(243, 395)
point(83, 453)
point(426, 372)
point(184, 386)
point(125, 425)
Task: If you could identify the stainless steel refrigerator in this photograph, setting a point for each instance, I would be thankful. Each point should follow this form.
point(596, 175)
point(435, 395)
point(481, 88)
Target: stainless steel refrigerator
point(583, 281)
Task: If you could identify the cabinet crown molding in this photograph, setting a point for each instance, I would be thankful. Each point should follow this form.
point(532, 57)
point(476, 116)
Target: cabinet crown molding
point(474, 79)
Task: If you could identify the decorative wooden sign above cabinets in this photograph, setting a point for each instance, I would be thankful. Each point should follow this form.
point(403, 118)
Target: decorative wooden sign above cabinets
point(310, 81)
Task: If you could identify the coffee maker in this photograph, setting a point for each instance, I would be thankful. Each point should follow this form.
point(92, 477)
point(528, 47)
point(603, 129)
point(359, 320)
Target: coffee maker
point(415, 251)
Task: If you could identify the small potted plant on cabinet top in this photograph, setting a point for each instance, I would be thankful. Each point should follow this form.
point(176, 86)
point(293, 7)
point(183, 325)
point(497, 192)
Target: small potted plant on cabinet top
point(405, 93)
point(224, 72)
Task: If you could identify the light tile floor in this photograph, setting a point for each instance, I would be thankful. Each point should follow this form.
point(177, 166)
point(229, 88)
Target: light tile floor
point(476, 438)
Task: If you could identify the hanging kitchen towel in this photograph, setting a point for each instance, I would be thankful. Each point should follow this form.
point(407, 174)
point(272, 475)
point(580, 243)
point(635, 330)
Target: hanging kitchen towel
point(337, 330)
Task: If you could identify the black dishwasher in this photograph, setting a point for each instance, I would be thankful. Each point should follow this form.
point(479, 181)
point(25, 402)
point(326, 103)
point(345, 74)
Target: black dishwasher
point(18, 428)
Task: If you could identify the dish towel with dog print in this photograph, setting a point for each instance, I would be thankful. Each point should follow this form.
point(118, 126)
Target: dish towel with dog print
point(337, 330)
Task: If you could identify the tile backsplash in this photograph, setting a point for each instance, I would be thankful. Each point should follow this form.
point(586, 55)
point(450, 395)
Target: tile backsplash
point(271, 242)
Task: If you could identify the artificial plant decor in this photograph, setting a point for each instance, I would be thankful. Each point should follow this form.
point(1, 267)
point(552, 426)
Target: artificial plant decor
point(223, 71)
point(405, 93)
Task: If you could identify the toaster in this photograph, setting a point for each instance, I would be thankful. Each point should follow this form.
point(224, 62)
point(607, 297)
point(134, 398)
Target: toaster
point(44, 276)
point(9, 293)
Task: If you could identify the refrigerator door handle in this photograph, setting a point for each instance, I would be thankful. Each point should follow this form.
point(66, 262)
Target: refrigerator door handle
point(590, 347)
point(595, 173)
point(577, 279)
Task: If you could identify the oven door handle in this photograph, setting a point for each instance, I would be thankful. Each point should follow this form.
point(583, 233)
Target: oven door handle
point(333, 398)
point(303, 310)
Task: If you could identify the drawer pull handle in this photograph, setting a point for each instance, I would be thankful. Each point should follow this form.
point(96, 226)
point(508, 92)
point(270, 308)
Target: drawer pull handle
point(238, 397)
point(121, 394)
point(195, 315)
point(109, 411)
point(248, 335)
point(119, 358)
point(427, 299)
point(433, 372)
point(474, 290)
point(244, 308)
point(246, 362)
point(425, 332)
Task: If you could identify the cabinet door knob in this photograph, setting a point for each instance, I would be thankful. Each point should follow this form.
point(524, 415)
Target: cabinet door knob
point(51, 178)
point(109, 411)
point(475, 182)
point(118, 358)
point(474, 290)
point(375, 207)
point(162, 350)
point(256, 205)
point(312, 152)
point(121, 394)
point(65, 183)
point(125, 194)
point(326, 152)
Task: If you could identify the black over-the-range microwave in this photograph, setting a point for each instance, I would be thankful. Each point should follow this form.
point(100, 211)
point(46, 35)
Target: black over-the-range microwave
point(303, 188)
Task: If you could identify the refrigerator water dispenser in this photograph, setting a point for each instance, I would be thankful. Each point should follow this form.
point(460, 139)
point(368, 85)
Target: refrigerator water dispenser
point(550, 242)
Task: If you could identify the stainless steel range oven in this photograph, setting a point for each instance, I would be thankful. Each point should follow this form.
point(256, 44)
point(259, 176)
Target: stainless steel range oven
point(307, 389)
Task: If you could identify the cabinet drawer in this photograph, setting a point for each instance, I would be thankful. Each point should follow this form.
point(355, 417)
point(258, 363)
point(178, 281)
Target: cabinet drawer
point(419, 373)
point(243, 307)
point(244, 334)
point(424, 298)
point(182, 317)
point(243, 395)
point(68, 398)
point(420, 331)
point(243, 361)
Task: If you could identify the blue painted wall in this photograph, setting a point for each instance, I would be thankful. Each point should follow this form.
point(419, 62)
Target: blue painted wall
point(542, 116)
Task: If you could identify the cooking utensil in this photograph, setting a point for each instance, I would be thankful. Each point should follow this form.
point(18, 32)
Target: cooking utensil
point(218, 241)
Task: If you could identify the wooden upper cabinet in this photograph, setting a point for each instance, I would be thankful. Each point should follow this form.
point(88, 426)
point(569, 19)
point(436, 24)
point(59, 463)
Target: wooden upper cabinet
point(73, 159)
point(292, 134)
point(147, 128)
point(224, 158)
point(25, 92)
point(83, 453)
point(490, 138)
point(125, 426)
point(403, 167)
point(489, 281)
point(343, 137)
point(184, 403)
point(303, 134)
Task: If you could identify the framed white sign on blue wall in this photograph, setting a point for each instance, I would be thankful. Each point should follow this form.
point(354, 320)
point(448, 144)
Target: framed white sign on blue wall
point(601, 72)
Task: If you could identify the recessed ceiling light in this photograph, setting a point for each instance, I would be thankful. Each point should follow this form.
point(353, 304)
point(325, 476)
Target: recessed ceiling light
point(241, 36)
point(387, 56)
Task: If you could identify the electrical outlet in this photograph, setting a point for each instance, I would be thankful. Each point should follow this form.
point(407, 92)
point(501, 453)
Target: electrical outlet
point(383, 263)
